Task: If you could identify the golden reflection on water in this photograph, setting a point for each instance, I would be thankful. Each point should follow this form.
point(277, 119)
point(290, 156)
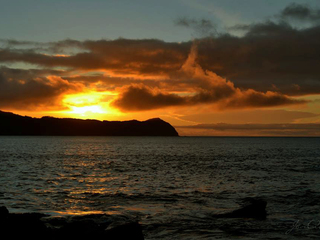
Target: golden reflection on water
point(94, 179)
point(74, 212)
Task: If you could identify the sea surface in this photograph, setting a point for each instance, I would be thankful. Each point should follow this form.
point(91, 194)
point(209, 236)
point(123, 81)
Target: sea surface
point(172, 185)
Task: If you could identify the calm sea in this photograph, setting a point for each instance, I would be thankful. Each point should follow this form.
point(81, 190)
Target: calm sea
point(172, 185)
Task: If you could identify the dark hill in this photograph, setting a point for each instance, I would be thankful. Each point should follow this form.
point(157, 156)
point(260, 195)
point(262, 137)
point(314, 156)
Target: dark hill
point(12, 124)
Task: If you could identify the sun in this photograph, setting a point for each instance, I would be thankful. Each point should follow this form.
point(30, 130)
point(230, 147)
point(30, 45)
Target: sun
point(89, 105)
point(86, 109)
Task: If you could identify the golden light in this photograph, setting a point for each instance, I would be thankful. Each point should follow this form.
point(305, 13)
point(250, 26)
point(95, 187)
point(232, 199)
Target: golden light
point(83, 110)
point(90, 105)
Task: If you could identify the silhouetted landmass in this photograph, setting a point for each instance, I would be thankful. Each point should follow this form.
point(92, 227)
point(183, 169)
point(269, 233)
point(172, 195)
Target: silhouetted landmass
point(13, 124)
point(37, 226)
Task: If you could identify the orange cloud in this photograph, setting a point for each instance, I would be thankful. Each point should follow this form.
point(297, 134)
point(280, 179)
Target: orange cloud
point(208, 88)
point(41, 92)
point(189, 85)
point(268, 66)
point(268, 54)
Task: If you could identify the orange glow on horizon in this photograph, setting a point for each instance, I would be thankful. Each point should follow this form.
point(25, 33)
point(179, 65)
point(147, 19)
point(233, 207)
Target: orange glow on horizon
point(89, 105)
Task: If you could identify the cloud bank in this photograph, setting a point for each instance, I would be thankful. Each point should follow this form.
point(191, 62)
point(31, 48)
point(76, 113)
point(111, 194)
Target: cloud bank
point(271, 64)
point(209, 88)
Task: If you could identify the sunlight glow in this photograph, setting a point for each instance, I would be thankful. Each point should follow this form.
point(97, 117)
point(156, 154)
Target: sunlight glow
point(93, 105)
point(83, 110)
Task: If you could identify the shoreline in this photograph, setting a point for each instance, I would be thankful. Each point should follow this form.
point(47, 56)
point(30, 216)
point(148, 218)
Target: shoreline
point(88, 226)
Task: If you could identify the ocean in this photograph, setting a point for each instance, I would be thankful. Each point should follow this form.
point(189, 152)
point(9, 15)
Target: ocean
point(172, 185)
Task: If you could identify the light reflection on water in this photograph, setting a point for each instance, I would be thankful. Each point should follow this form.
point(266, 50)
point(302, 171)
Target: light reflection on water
point(77, 212)
point(175, 182)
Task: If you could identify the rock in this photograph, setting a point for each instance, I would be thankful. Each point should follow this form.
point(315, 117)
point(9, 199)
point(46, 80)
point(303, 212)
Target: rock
point(4, 213)
point(28, 225)
point(38, 226)
point(256, 209)
point(80, 230)
point(132, 231)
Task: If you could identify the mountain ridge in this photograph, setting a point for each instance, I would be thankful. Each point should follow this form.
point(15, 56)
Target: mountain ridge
point(14, 124)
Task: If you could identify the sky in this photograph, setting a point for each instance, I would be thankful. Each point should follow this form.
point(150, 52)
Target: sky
point(208, 67)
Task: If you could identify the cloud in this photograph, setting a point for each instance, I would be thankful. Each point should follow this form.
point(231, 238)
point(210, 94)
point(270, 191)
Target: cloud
point(202, 27)
point(209, 88)
point(271, 53)
point(139, 98)
point(120, 56)
point(20, 89)
point(300, 12)
point(252, 98)
point(268, 66)
point(201, 87)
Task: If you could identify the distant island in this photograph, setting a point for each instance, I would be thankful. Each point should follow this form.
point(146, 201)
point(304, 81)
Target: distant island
point(13, 124)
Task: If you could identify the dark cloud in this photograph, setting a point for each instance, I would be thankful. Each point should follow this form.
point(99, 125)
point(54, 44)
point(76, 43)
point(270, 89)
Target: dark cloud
point(29, 74)
point(20, 89)
point(120, 56)
point(208, 88)
point(140, 98)
point(52, 47)
point(269, 54)
point(13, 42)
point(300, 12)
point(202, 27)
point(254, 99)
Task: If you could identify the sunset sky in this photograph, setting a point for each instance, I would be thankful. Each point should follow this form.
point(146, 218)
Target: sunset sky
point(208, 67)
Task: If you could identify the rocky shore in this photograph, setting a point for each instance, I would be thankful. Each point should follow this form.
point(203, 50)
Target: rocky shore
point(39, 226)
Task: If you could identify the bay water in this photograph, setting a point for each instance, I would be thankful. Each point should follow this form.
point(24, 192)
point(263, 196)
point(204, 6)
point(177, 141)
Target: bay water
point(172, 185)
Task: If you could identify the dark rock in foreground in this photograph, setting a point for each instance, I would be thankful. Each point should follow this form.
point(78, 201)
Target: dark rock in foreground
point(39, 226)
point(255, 209)
point(12, 124)
point(125, 231)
